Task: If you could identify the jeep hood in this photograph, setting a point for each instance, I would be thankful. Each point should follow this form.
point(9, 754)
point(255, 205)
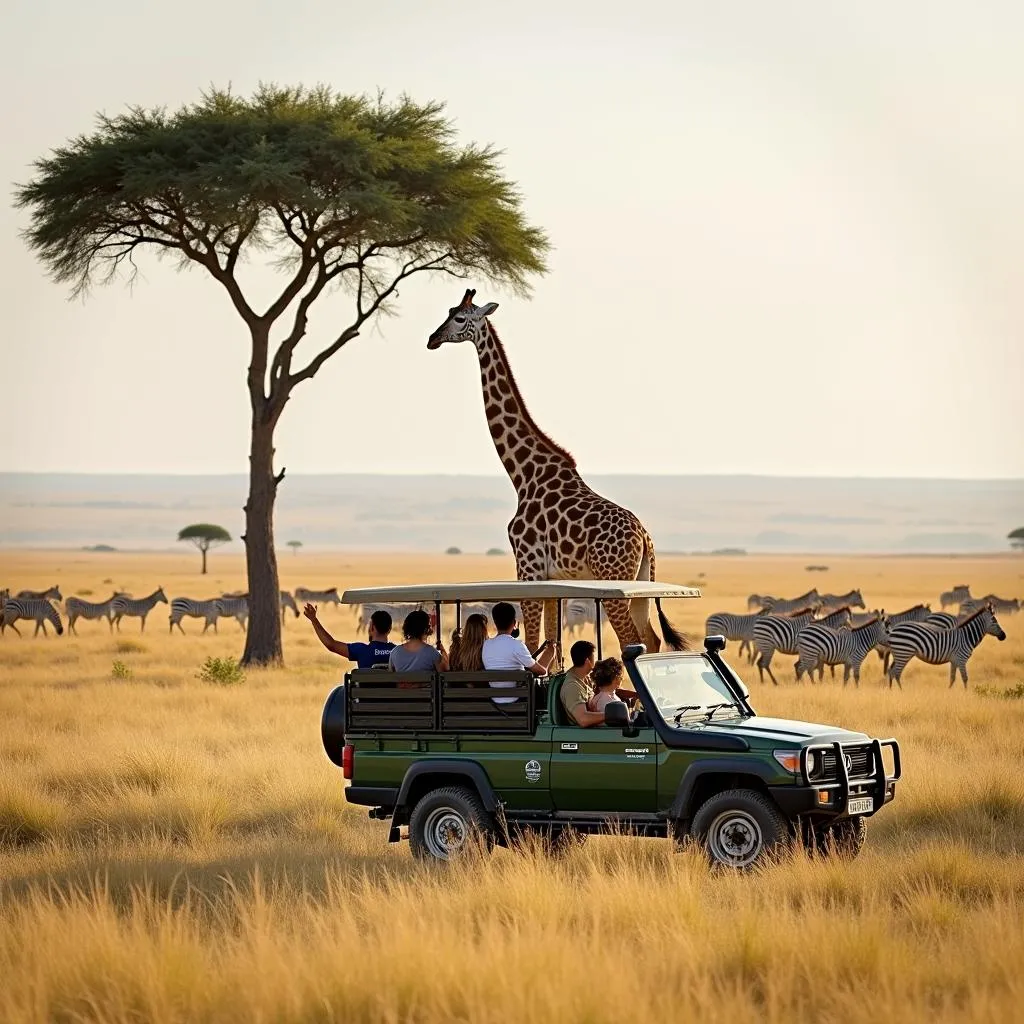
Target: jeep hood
point(781, 730)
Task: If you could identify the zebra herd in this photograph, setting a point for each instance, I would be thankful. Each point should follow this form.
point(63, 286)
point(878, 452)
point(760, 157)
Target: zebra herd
point(824, 630)
point(41, 607)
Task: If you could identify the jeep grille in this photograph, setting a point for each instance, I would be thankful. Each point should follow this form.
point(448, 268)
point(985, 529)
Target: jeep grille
point(861, 765)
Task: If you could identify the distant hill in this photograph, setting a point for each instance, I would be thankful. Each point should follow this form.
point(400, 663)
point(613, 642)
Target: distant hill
point(433, 513)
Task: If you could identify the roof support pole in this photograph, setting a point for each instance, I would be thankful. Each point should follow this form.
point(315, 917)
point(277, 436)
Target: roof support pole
point(597, 623)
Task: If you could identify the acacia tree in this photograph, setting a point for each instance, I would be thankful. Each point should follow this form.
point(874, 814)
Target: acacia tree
point(1016, 538)
point(335, 190)
point(294, 545)
point(204, 536)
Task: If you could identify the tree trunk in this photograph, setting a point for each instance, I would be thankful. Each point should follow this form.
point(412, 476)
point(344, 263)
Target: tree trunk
point(263, 639)
point(202, 551)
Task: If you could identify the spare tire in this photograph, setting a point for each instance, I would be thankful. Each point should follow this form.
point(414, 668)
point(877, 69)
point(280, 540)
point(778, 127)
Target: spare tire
point(332, 725)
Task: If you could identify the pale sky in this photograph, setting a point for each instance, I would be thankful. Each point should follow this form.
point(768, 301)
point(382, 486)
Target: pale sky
point(787, 239)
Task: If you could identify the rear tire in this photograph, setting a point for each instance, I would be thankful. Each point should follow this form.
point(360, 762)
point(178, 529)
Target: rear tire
point(448, 822)
point(739, 827)
point(842, 840)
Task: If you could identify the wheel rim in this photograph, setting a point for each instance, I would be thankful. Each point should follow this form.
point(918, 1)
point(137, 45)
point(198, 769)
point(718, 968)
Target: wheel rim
point(445, 833)
point(735, 838)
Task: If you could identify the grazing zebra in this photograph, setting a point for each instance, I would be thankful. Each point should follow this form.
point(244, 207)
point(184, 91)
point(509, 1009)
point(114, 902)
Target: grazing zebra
point(758, 602)
point(820, 645)
point(182, 607)
point(937, 646)
point(287, 601)
point(77, 609)
point(136, 608)
point(779, 633)
point(235, 606)
point(1002, 605)
point(960, 593)
point(851, 598)
point(30, 608)
point(919, 613)
point(784, 607)
point(53, 594)
point(735, 627)
point(306, 596)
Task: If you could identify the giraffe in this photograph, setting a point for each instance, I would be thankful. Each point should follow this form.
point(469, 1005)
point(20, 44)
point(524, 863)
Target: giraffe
point(562, 529)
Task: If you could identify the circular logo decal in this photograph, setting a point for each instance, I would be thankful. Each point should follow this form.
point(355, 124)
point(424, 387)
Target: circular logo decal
point(533, 771)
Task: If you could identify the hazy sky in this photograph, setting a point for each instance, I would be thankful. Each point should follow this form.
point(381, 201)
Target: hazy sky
point(787, 238)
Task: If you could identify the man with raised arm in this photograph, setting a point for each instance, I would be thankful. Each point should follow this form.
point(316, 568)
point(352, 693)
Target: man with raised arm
point(376, 652)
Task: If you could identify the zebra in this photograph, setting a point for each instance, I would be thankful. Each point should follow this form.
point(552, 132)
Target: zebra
point(1003, 605)
point(77, 609)
point(919, 613)
point(783, 607)
point(779, 632)
point(182, 607)
point(235, 606)
point(328, 596)
point(852, 598)
point(758, 602)
point(819, 646)
point(735, 627)
point(937, 646)
point(136, 608)
point(941, 620)
point(30, 608)
point(51, 594)
point(287, 601)
point(960, 593)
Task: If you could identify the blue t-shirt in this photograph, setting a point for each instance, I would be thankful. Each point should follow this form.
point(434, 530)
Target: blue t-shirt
point(377, 652)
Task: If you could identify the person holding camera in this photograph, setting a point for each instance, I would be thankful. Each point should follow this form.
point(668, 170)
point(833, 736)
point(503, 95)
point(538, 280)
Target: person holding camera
point(507, 651)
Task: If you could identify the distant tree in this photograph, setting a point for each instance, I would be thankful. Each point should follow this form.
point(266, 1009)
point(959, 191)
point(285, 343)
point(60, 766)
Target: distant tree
point(454, 551)
point(204, 536)
point(341, 194)
point(295, 545)
point(495, 551)
point(1016, 538)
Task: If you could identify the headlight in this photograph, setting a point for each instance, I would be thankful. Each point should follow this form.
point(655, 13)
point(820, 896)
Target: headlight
point(789, 759)
point(813, 763)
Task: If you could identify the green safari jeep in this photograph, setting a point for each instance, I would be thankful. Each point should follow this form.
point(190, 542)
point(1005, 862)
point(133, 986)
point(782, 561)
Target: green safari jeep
point(436, 753)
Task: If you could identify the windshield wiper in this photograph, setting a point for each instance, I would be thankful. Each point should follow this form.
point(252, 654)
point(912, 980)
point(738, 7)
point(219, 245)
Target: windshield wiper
point(712, 708)
point(683, 708)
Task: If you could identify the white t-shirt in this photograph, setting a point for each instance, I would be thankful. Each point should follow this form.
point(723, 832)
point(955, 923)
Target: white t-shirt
point(504, 651)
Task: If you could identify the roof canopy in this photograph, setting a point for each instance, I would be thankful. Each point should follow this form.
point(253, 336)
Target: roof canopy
point(589, 590)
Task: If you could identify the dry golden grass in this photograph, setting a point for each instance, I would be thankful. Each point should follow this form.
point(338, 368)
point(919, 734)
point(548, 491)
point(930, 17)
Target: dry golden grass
point(173, 850)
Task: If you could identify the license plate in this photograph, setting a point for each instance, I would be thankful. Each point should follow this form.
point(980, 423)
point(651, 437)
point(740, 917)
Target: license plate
point(861, 805)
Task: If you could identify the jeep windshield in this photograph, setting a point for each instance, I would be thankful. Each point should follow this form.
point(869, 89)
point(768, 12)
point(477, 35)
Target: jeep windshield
point(686, 688)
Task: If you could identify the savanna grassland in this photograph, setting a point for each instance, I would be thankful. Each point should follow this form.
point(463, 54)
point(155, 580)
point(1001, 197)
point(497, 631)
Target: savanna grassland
point(178, 850)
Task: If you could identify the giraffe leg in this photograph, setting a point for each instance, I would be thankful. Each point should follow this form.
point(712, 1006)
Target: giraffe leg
point(532, 612)
point(622, 623)
point(551, 622)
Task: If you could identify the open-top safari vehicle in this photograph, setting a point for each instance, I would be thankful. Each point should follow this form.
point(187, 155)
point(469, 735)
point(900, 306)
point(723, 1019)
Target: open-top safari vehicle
point(435, 751)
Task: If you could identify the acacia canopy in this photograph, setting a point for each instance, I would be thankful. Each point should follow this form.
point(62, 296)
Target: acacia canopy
point(204, 536)
point(351, 191)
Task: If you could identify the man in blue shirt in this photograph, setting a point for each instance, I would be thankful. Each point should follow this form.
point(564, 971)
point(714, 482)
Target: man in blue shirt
point(376, 652)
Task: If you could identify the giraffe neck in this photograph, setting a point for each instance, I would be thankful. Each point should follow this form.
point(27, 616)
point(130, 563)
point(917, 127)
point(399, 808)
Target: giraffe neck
point(527, 453)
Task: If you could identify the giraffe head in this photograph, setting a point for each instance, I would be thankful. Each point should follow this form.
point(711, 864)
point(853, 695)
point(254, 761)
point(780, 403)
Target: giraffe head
point(465, 321)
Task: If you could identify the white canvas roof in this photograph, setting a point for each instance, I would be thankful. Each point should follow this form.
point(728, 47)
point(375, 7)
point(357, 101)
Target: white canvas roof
point(513, 590)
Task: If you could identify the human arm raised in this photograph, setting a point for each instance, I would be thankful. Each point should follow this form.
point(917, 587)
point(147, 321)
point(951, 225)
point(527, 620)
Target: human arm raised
point(334, 646)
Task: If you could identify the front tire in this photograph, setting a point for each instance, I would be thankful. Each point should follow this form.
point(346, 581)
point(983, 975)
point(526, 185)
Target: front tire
point(447, 822)
point(739, 827)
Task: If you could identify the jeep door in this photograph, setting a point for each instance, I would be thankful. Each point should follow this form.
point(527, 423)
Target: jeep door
point(599, 769)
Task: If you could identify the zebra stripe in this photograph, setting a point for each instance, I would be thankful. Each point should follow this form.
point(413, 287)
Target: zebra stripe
point(960, 593)
point(734, 627)
point(329, 596)
point(76, 609)
point(779, 633)
point(136, 608)
point(53, 594)
point(938, 646)
point(235, 606)
point(820, 645)
point(30, 608)
point(941, 620)
point(796, 604)
point(182, 607)
point(918, 613)
point(287, 601)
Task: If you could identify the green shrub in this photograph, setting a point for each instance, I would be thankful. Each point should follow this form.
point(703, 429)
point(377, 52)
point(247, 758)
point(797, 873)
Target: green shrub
point(119, 670)
point(1010, 693)
point(225, 671)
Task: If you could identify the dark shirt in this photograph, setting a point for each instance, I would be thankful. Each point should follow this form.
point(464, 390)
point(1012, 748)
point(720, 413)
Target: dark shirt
point(377, 652)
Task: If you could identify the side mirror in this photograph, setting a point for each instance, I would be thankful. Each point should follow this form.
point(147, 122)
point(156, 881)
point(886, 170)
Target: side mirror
point(714, 644)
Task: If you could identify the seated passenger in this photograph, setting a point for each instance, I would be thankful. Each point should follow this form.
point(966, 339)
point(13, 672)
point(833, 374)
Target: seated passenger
point(606, 677)
point(376, 652)
point(416, 655)
point(506, 650)
point(577, 688)
point(468, 646)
